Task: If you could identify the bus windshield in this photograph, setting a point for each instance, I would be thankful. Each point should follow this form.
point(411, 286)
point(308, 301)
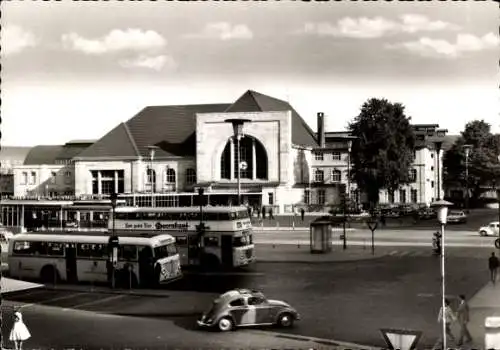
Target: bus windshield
point(165, 251)
point(242, 241)
point(238, 215)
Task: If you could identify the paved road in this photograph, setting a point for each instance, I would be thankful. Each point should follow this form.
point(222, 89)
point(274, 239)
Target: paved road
point(348, 301)
point(53, 327)
point(381, 237)
point(476, 218)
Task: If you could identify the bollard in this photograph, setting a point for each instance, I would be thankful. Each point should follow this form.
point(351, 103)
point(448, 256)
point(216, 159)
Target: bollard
point(492, 333)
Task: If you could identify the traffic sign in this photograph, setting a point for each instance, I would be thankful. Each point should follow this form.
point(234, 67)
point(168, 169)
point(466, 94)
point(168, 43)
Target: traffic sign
point(401, 339)
point(243, 165)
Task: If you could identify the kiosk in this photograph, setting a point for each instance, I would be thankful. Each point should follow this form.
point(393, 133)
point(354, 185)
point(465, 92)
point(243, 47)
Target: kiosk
point(321, 234)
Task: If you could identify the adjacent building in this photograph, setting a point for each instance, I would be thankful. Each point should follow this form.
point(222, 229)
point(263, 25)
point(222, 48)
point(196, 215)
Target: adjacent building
point(164, 154)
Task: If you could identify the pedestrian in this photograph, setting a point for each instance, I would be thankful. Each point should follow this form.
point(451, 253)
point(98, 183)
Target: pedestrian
point(493, 266)
point(302, 213)
point(258, 212)
point(463, 319)
point(263, 212)
point(449, 317)
point(19, 332)
point(271, 216)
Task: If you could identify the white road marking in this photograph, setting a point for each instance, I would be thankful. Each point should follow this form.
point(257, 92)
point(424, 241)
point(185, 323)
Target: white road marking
point(98, 301)
point(225, 273)
point(52, 300)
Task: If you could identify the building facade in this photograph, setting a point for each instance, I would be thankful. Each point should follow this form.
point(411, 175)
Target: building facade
point(164, 154)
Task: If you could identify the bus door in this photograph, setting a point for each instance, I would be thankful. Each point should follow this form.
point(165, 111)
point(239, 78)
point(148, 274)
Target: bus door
point(193, 250)
point(146, 268)
point(226, 247)
point(71, 267)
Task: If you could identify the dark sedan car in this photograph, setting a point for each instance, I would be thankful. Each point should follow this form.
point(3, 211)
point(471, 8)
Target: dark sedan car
point(244, 307)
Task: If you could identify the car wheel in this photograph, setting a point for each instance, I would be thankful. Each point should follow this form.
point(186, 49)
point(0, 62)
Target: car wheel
point(225, 324)
point(483, 233)
point(285, 320)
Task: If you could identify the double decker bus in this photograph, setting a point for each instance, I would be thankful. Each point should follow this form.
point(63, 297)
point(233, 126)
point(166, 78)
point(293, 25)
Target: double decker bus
point(52, 257)
point(227, 241)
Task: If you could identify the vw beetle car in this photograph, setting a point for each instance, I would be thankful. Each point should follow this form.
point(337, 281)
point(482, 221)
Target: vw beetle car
point(493, 229)
point(245, 307)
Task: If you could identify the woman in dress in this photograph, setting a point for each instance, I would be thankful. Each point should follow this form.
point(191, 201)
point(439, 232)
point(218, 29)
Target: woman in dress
point(19, 332)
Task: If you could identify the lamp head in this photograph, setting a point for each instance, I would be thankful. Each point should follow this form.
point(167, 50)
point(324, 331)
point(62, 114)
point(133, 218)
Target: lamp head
point(113, 197)
point(237, 126)
point(441, 207)
point(467, 149)
point(152, 149)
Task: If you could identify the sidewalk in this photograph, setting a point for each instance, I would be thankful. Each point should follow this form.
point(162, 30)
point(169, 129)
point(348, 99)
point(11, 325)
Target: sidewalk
point(483, 304)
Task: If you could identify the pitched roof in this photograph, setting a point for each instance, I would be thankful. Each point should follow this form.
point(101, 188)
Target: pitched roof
point(14, 152)
point(171, 128)
point(116, 143)
point(252, 101)
point(43, 155)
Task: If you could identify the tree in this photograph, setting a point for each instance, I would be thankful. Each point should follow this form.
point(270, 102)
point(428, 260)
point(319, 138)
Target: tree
point(383, 154)
point(484, 167)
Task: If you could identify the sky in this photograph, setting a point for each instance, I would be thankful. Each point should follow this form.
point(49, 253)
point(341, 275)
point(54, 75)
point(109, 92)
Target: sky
point(74, 70)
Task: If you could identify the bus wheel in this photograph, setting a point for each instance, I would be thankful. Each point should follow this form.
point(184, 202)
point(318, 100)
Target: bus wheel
point(209, 262)
point(49, 274)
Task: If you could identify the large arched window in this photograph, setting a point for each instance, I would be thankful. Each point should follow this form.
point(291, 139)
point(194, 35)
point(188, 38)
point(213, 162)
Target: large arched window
point(170, 175)
point(190, 176)
point(253, 157)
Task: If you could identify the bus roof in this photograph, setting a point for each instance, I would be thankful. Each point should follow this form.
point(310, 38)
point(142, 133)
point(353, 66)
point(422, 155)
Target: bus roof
point(156, 240)
point(207, 209)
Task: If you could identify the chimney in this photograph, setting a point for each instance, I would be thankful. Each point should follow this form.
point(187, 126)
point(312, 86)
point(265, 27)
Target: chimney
point(321, 129)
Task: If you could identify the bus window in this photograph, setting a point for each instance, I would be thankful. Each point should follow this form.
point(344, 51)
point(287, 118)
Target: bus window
point(22, 248)
point(211, 241)
point(241, 241)
point(210, 216)
point(127, 252)
point(55, 249)
point(145, 253)
point(225, 216)
point(165, 251)
point(242, 214)
point(83, 250)
point(98, 250)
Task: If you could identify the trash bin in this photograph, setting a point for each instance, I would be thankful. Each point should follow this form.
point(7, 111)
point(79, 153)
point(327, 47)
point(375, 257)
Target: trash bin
point(321, 234)
point(492, 332)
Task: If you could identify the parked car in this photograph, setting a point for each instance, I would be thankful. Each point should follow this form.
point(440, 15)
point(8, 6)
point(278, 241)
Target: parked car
point(426, 214)
point(456, 217)
point(245, 307)
point(492, 229)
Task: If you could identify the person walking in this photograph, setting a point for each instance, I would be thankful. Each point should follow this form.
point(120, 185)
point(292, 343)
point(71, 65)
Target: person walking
point(493, 266)
point(19, 332)
point(463, 319)
point(302, 213)
point(449, 317)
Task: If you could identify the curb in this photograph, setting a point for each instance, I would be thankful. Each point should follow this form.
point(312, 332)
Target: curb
point(110, 291)
point(290, 228)
point(331, 342)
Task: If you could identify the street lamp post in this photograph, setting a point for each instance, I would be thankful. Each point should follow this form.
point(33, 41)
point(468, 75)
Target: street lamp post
point(238, 134)
point(113, 243)
point(347, 199)
point(152, 175)
point(437, 145)
point(498, 199)
point(442, 213)
point(467, 149)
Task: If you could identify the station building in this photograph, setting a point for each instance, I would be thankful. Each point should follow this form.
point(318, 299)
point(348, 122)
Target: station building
point(164, 154)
